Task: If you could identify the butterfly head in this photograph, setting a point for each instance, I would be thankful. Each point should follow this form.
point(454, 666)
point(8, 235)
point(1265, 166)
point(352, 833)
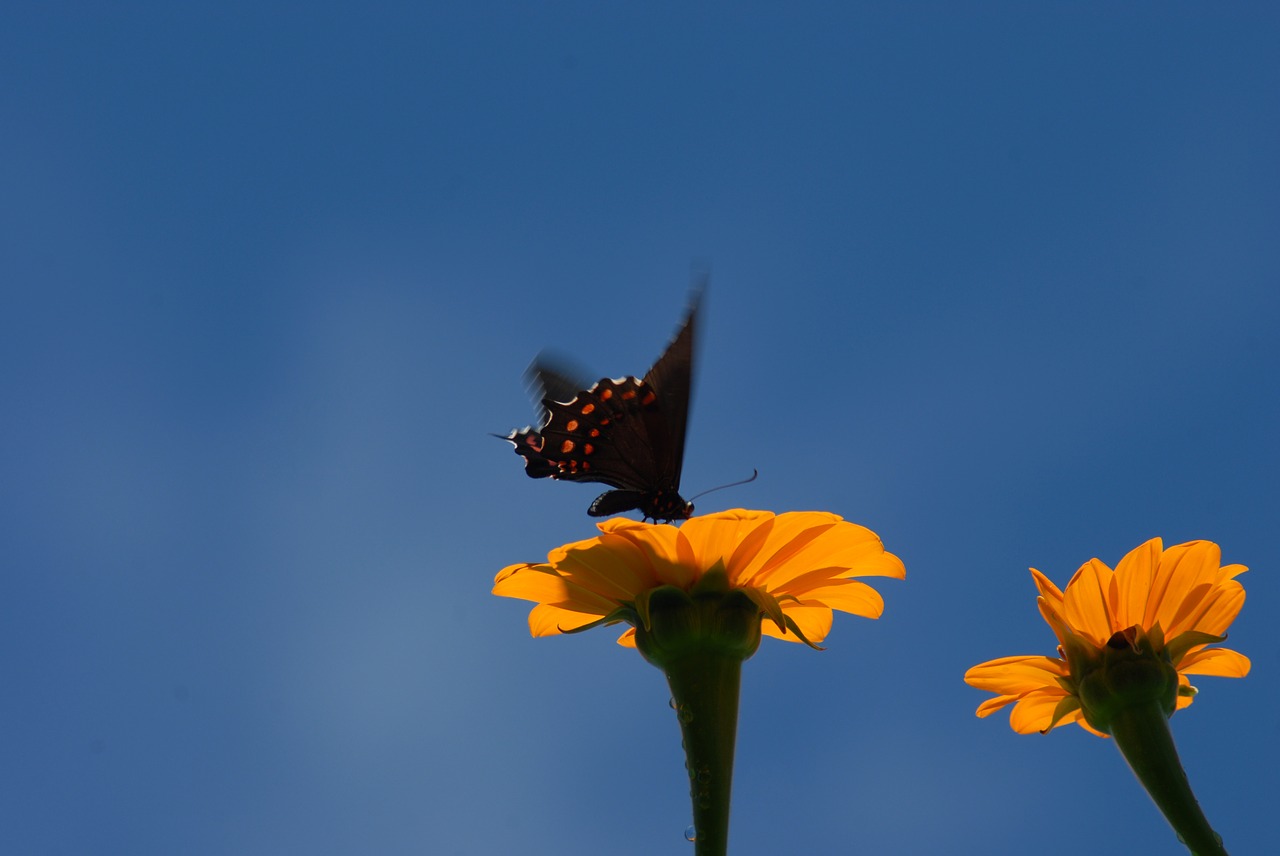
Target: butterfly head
point(666, 506)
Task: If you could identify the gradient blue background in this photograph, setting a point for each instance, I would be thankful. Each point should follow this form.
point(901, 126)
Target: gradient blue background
point(1001, 283)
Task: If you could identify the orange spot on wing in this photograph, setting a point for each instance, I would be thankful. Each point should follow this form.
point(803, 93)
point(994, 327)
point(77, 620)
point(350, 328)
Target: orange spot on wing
point(566, 447)
point(606, 394)
point(587, 409)
point(572, 426)
point(649, 398)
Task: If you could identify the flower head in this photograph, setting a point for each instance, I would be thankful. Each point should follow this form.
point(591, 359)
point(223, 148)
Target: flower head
point(790, 569)
point(1137, 631)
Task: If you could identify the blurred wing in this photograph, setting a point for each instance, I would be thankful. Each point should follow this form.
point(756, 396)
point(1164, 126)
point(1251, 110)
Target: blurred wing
point(671, 378)
point(555, 377)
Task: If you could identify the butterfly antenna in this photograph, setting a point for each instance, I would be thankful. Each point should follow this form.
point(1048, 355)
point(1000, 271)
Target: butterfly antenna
point(754, 473)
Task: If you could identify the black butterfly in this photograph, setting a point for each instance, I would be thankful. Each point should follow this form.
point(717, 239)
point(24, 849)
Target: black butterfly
point(627, 433)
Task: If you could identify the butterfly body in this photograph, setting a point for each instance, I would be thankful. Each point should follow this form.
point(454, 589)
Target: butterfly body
point(627, 433)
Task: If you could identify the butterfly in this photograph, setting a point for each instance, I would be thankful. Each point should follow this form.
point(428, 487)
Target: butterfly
point(627, 433)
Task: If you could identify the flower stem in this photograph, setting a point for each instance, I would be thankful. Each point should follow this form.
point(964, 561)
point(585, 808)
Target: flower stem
point(1142, 734)
point(704, 690)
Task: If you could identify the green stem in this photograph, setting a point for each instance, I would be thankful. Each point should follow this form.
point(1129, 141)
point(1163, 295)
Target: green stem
point(1142, 734)
point(704, 688)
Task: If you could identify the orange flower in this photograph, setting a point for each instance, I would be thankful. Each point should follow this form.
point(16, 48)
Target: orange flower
point(1162, 605)
point(794, 567)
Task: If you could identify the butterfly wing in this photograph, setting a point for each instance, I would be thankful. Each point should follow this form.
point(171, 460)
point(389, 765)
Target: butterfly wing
point(627, 433)
point(671, 379)
point(555, 377)
point(600, 435)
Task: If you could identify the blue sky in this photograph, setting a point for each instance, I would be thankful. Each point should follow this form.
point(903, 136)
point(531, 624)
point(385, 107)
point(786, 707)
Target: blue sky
point(1000, 282)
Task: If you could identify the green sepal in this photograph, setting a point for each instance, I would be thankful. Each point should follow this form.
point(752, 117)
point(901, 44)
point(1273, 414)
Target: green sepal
point(795, 628)
point(714, 581)
point(619, 615)
point(1081, 654)
point(768, 606)
point(642, 609)
point(1184, 642)
point(1066, 707)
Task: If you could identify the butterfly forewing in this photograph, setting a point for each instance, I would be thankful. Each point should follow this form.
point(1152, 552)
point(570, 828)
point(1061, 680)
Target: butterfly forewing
point(671, 379)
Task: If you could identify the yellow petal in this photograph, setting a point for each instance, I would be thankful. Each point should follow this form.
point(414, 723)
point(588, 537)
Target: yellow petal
point(805, 540)
point(1015, 675)
point(663, 550)
point(1221, 662)
point(991, 705)
point(511, 570)
point(788, 538)
point(612, 567)
point(744, 555)
point(1195, 604)
point(540, 583)
point(816, 578)
point(1086, 602)
point(548, 620)
point(1134, 574)
point(814, 621)
point(1051, 613)
point(1183, 570)
point(628, 639)
point(1034, 711)
point(1047, 589)
point(530, 582)
point(715, 537)
point(847, 596)
point(884, 564)
point(1229, 572)
point(1222, 609)
point(622, 524)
